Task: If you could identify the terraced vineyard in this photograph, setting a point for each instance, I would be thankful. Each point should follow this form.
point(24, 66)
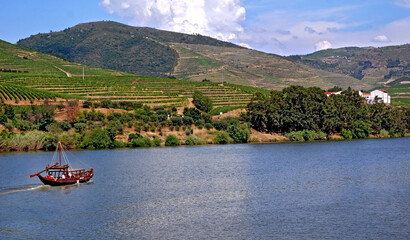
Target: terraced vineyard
point(147, 90)
point(400, 94)
point(19, 93)
point(16, 59)
point(26, 75)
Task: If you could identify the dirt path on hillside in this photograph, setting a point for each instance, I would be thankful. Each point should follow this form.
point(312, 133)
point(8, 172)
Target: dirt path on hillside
point(67, 73)
point(178, 65)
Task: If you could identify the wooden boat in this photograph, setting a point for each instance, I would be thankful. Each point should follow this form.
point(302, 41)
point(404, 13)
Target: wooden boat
point(58, 174)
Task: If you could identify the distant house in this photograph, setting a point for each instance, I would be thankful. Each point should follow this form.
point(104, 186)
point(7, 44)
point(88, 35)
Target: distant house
point(333, 93)
point(381, 95)
point(366, 96)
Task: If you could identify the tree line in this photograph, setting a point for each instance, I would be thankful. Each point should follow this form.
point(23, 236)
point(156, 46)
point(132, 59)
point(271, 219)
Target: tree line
point(301, 114)
point(308, 109)
point(35, 127)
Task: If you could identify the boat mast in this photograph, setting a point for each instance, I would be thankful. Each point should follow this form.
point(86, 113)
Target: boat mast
point(59, 151)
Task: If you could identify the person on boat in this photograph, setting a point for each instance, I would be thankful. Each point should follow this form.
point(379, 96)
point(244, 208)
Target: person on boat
point(63, 176)
point(50, 176)
point(70, 175)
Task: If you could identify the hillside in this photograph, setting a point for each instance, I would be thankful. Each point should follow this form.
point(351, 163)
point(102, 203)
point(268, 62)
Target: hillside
point(116, 46)
point(252, 68)
point(113, 109)
point(374, 66)
point(16, 59)
point(147, 51)
point(27, 76)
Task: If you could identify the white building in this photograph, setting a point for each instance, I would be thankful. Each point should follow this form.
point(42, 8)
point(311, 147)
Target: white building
point(333, 93)
point(382, 96)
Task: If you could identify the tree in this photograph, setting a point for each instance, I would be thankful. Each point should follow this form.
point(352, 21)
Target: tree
point(223, 137)
point(293, 109)
point(361, 129)
point(335, 89)
point(220, 125)
point(3, 118)
point(9, 112)
point(202, 102)
point(347, 134)
point(194, 113)
point(239, 133)
point(96, 139)
point(187, 121)
point(72, 110)
point(171, 140)
point(65, 125)
point(80, 127)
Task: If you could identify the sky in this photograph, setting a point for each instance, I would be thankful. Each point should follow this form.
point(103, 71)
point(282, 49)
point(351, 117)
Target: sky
point(284, 27)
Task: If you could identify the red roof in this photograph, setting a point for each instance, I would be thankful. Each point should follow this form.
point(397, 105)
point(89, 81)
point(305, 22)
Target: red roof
point(382, 90)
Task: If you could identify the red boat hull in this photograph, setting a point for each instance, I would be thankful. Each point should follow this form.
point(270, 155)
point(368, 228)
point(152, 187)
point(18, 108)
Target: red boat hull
point(60, 182)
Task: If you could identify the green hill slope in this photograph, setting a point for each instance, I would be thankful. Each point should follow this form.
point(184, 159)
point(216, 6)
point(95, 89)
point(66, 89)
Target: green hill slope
point(16, 59)
point(152, 52)
point(116, 46)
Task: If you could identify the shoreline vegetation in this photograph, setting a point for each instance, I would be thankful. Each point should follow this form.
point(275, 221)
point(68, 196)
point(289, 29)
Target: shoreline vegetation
point(295, 114)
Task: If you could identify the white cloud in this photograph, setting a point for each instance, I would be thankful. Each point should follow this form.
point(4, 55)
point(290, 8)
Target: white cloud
point(216, 18)
point(381, 38)
point(294, 32)
point(403, 3)
point(322, 45)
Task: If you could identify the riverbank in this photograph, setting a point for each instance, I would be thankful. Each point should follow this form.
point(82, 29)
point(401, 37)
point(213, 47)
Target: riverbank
point(44, 141)
point(107, 124)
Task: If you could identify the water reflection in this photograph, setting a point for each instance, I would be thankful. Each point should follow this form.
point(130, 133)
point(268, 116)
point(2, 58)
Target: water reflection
point(175, 193)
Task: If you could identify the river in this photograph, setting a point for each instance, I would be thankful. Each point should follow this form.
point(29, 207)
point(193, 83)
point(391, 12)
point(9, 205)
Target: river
point(320, 190)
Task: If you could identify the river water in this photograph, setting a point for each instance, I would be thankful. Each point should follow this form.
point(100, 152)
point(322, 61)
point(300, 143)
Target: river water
point(321, 190)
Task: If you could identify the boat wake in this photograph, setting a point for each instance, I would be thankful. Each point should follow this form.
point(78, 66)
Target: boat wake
point(32, 187)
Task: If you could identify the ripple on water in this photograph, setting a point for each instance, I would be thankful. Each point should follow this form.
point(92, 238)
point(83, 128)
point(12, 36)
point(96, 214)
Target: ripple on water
point(268, 191)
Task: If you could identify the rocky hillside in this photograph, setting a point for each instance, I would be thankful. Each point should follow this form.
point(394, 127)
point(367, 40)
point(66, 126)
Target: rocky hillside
point(371, 65)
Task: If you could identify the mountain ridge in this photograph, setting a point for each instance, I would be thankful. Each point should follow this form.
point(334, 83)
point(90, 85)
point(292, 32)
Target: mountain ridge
point(148, 51)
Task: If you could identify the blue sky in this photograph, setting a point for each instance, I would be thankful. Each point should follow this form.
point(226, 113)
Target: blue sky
point(281, 27)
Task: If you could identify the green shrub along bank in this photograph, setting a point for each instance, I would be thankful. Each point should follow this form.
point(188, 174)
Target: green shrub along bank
point(193, 140)
point(300, 114)
point(91, 129)
point(306, 135)
point(171, 141)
